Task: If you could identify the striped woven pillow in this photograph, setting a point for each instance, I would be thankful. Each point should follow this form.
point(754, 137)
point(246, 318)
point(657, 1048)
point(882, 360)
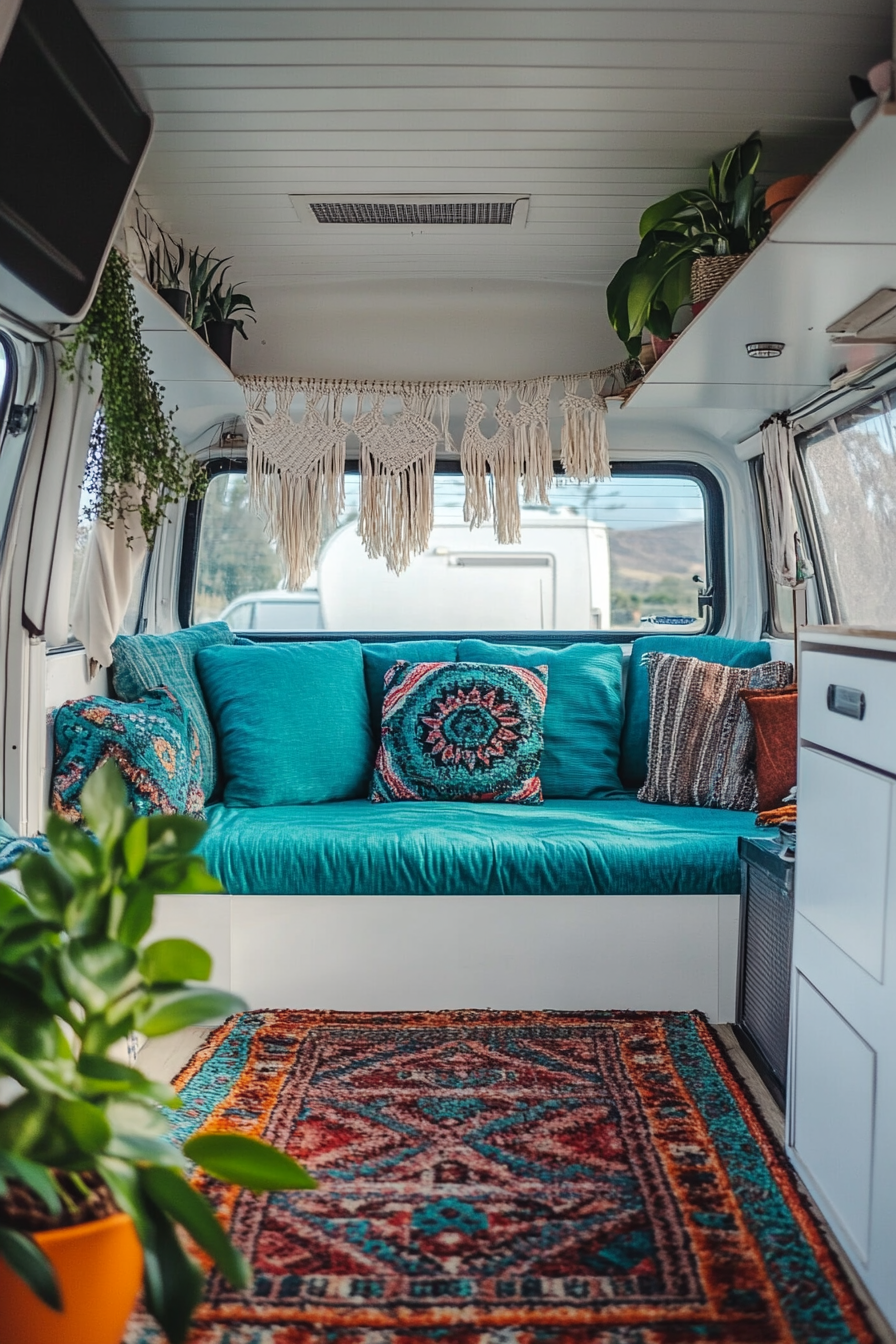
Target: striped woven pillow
point(701, 746)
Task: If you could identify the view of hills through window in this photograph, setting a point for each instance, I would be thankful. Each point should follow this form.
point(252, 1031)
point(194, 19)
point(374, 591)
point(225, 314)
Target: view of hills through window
point(611, 555)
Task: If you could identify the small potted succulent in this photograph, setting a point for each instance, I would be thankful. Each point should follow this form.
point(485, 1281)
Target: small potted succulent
point(221, 320)
point(171, 265)
point(92, 1190)
point(203, 271)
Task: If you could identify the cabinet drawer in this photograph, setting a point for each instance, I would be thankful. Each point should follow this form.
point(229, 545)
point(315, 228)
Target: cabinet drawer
point(867, 685)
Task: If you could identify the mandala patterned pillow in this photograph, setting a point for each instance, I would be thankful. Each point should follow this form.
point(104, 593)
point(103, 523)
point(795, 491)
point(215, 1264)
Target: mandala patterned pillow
point(701, 746)
point(461, 732)
point(152, 740)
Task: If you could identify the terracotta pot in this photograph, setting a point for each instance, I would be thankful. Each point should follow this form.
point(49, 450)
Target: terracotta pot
point(781, 195)
point(100, 1268)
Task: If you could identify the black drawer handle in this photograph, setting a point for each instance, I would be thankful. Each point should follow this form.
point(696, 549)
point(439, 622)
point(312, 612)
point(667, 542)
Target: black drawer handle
point(846, 700)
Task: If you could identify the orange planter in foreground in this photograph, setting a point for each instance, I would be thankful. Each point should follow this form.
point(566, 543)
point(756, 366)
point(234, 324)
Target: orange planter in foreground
point(100, 1268)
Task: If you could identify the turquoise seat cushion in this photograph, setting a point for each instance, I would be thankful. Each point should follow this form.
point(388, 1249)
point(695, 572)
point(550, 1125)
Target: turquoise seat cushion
point(378, 658)
point(461, 732)
point(143, 662)
point(583, 715)
point(292, 721)
point(709, 648)
point(566, 847)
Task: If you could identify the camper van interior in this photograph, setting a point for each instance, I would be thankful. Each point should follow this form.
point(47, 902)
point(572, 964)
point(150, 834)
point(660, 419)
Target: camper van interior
point(448, 691)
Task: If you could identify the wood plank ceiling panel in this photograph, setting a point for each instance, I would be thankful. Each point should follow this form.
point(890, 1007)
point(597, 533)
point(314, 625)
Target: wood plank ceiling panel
point(593, 110)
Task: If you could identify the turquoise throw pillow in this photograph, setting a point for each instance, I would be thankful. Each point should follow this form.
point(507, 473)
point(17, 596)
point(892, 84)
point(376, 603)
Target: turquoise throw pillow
point(583, 717)
point(460, 732)
point(151, 741)
point(142, 662)
point(378, 658)
point(709, 649)
point(291, 719)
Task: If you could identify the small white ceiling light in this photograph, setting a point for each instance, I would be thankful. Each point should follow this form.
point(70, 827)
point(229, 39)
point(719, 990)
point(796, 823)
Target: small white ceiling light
point(764, 349)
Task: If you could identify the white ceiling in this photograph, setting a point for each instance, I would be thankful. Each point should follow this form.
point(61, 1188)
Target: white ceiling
point(593, 110)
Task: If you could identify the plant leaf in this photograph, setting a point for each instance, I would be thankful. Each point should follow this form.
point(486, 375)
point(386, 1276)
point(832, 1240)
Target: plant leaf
point(242, 1160)
point(78, 855)
point(96, 971)
point(104, 803)
point(176, 1197)
point(173, 1283)
point(48, 889)
point(135, 845)
point(175, 959)
point(109, 1076)
point(136, 921)
point(27, 1260)
point(33, 1174)
point(173, 835)
point(86, 1123)
point(184, 1008)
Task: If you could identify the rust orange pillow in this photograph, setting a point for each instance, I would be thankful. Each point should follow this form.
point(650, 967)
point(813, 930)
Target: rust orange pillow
point(774, 721)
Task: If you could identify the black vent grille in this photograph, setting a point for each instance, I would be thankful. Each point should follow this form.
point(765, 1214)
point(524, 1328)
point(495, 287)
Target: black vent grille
point(765, 1006)
point(412, 212)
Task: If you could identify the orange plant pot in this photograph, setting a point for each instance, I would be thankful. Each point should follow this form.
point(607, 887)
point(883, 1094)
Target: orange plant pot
point(100, 1268)
point(780, 196)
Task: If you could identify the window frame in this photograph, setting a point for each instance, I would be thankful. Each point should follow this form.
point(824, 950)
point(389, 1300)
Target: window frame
point(7, 400)
point(826, 588)
point(715, 577)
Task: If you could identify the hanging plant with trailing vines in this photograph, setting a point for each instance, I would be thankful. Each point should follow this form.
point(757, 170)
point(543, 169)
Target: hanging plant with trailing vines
point(135, 462)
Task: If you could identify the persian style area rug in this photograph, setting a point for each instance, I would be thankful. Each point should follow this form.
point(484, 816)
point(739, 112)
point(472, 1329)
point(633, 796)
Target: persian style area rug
point(507, 1178)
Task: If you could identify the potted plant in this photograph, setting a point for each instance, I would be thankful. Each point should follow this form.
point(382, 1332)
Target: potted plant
point(172, 256)
point(221, 320)
point(202, 274)
point(691, 243)
point(137, 463)
point(84, 1148)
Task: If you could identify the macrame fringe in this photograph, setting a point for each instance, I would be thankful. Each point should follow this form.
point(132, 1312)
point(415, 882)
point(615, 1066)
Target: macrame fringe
point(296, 467)
point(584, 447)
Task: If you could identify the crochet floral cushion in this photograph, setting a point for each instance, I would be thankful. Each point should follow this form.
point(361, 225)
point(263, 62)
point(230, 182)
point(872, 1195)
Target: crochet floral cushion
point(152, 741)
point(461, 732)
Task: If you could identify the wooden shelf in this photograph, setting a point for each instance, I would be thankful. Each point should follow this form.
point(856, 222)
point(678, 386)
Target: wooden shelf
point(832, 249)
point(196, 382)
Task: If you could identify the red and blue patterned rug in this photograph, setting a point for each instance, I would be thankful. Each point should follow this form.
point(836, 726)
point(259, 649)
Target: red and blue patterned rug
point(507, 1178)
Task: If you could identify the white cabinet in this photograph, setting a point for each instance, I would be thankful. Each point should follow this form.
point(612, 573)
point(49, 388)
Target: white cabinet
point(841, 1099)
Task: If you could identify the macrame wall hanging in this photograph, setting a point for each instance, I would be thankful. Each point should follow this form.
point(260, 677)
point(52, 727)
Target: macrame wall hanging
point(298, 430)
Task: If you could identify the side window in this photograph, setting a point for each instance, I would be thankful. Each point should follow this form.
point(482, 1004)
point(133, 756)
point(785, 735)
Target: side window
point(617, 555)
point(850, 466)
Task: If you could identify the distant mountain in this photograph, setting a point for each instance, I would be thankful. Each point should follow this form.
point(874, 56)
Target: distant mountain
point(648, 554)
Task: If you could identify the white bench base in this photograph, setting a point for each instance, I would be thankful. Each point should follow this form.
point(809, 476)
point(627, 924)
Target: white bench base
point(387, 953)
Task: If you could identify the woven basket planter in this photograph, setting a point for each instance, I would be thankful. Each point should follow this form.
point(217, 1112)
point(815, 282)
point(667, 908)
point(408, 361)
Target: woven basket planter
point(708, 275)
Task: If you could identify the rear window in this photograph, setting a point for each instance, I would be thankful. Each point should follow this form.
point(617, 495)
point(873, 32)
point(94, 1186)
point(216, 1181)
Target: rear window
point(627, 554)
point(850, 466)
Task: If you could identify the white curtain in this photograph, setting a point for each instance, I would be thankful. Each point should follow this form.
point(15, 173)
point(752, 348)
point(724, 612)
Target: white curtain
point(790, 567)
point(106, 582)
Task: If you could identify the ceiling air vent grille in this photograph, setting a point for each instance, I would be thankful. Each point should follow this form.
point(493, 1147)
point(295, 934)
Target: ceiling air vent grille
point(417, 212)
point(454, 211)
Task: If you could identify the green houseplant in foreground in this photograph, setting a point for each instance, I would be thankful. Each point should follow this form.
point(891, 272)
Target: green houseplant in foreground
point(729, 218)
point(76, 976)
point(141, 466)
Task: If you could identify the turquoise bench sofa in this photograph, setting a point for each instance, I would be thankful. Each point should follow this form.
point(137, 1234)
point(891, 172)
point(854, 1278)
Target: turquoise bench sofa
point(593, 899)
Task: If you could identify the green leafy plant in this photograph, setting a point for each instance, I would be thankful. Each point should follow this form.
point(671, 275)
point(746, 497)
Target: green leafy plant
point(164, 258)
point(224, 302)
point(727, 219)
point(172, 255)
point(77, 976)
point(137, 464)
point(203, 272)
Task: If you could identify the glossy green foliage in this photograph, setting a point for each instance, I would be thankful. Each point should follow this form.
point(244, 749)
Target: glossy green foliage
point(77, 975)
point(204, 272)
point(727, 219)
point(136, 462)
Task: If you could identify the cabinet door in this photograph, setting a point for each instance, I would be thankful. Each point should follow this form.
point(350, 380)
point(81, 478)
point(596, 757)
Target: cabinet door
point(842, 857)
point(832, 1110)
